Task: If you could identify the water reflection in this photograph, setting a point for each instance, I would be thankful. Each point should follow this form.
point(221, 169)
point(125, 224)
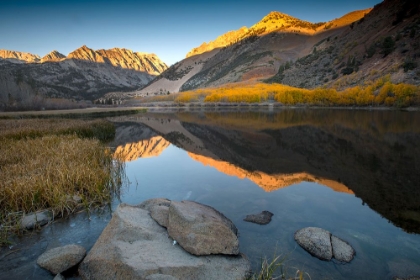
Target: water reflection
point(373, 155)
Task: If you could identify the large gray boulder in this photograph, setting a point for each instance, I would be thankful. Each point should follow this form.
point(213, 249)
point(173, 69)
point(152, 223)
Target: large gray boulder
point(158, 208)
point(134, 246)
point(323, 245)
point(62, 258)
point(201, 229)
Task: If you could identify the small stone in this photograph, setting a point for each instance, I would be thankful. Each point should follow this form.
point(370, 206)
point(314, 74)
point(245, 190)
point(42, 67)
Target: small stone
point(60, 259)
point(262, 218)
point(33, 220)
point(342, 251)
point(77, 198)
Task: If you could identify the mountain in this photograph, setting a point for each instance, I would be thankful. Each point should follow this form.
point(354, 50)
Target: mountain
point(19, 56)
point(384, 42)
point(247, 53)
point(277, 22)
point(53, 56)
point(84, 74)
point(354, 49)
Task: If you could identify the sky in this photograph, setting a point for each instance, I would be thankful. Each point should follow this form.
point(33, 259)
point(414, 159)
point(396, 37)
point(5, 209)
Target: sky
point(170, 29)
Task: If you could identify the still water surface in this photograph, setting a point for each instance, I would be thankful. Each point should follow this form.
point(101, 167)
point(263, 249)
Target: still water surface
point(354, 173)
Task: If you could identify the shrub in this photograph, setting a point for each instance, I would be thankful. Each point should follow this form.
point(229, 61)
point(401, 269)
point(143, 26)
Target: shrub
point(388, 46)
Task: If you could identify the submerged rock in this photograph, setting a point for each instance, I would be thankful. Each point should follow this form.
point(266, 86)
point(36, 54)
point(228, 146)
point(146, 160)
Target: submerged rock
point(262, 218)
point(59, 277)
point(60, 259)
point(201, 229)
point(316, 241)
point(323, 245)
point(342, 251)
point(33, 220)
point(134, 246)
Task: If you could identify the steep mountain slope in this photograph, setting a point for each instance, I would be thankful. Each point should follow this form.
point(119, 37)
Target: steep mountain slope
point(19, 56)
point(248, 53)
point(385, 41)
point(53, 56)
point(84, 74)
point(277, 22)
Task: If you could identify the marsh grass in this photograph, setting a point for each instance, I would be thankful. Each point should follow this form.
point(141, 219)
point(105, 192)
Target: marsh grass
point(276, 268)
point(17, 129)
point(44, 163)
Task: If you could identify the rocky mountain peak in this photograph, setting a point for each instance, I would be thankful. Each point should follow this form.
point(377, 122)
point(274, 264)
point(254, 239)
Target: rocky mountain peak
point(16, 56)
point(276, 22)
point(53, 56)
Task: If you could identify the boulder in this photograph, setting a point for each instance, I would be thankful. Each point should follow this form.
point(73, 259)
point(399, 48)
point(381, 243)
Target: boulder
point(262, 218)
point(33, 220)
point(201, 229)
point(323, 245)
point(134, 246)
point(60, 259)
point(316, 241)
point(160, 214)
point(59, 277)
point(147, 204)
point(342, 251)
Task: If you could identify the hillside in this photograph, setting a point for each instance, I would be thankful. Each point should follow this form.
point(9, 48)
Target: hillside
point(248, 53)
point(352, 50)
point(84, 74)
point(384, 42)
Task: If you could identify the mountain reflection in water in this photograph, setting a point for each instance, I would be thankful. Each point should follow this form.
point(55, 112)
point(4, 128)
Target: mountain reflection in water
point(372, 154)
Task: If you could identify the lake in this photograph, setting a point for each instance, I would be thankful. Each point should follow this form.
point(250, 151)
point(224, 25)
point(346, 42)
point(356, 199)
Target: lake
point(355, 173)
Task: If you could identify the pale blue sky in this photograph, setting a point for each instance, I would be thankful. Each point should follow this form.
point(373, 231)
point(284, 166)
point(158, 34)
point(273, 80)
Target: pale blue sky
point(167, 28)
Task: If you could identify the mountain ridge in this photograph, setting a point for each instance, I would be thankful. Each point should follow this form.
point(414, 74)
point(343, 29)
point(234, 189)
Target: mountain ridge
point(85, 74)
point(276, 21)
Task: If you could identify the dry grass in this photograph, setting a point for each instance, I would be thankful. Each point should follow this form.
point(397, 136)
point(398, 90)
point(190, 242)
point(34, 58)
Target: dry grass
point(30, 128)
point(276, 269)
point(44, 163)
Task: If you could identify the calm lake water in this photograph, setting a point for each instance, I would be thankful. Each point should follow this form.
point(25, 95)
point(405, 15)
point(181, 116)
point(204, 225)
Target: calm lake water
point(354, 173)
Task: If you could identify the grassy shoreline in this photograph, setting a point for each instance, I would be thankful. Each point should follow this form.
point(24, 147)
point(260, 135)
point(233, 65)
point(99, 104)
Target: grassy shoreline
point(94, 112)
point(44, 163)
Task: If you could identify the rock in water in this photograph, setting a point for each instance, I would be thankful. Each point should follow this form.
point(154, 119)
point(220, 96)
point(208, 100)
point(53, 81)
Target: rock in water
point(323, 245)
point(33, 220)
point(316, 241)
point(201, 229)
point(262, 218)
point(342, 251)
point(134, 246)
point(60, 259)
